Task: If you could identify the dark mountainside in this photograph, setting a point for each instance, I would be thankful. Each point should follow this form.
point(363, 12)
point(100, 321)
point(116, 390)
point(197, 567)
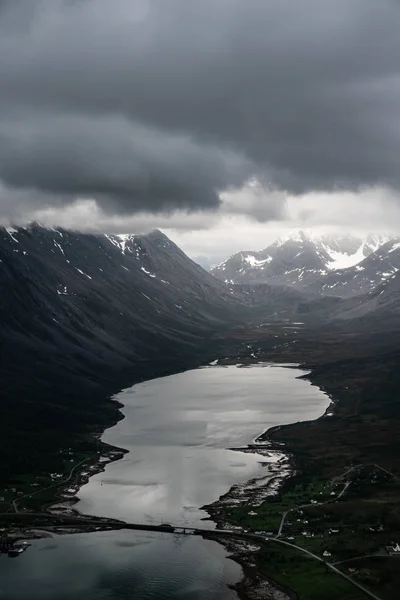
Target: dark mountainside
point(85, 315)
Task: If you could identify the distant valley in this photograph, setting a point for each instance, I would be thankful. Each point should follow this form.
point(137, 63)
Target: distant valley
point(344, 281)
point(83, 315)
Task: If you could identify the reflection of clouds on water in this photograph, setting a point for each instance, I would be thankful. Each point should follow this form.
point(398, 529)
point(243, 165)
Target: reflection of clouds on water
point(51, 546)
point(126, 544)
point(121, 564)
point(177, 440)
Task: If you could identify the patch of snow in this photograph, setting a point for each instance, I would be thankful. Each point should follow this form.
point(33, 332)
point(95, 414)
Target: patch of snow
point(11, 231)
point(147, 272)
point(145, 296)
point(163, 280)
point(341, 260)
point(394, 247)
point(120, 240)
point(253, 262)
point(88, 276)
point(126, 269)
point(58, 246)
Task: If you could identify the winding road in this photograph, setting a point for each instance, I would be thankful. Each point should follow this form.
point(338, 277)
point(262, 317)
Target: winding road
point(341, 493)
point(64, 520)
point(331, 566)
point(58, 484)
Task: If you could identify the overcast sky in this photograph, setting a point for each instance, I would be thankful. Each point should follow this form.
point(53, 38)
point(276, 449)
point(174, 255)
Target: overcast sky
point(223, 122)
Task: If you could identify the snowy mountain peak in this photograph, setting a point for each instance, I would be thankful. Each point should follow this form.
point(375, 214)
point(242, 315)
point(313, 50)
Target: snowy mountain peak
point(344, 250)
point(299, 257)
point(121, 240)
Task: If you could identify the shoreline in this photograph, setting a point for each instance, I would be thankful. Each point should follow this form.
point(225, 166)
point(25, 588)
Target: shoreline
point(253, 492)
point(251, 586)
point(66, 496)
point(279, 464)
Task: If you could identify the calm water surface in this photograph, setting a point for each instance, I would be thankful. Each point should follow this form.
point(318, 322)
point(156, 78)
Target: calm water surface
point(177, 430)
point(119, 566)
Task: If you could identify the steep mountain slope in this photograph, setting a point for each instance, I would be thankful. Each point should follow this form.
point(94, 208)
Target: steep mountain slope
point(297, 260)
point(121, 291)
point(376, 311)
point(380, 309)
point(82, 315)
point(362, 278)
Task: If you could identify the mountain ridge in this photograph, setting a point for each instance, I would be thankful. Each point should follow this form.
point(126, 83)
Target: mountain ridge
point(298, 259)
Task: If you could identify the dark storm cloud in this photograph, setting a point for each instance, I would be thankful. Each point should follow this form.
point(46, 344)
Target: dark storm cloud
point(123, 164)
point(159, 104)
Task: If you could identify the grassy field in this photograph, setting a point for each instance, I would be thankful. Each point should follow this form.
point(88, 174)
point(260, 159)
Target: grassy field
point(33, 491)
point(269, 514)
point(363, 379)
point(310, 579)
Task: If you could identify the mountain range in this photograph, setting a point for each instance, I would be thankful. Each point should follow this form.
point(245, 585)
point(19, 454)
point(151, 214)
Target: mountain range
point(83, 315)
point(321, 264)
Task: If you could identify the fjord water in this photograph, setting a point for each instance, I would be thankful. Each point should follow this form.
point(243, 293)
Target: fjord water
point(177, 430)
point(119, 566)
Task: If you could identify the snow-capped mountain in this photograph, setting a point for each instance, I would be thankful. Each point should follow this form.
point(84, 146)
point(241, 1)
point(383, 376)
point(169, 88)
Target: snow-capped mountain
point(103, 302)
point(298, 259)
point(376, 269)
point(83, 315)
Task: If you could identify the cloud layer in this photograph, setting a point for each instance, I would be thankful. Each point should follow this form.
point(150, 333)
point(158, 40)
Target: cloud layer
point(157, 105)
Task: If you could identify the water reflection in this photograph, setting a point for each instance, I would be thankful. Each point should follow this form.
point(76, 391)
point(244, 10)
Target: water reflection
point(117, 566)
point(177, 430)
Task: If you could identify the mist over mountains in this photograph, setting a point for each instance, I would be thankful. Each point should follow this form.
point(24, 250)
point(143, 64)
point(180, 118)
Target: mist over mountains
point(303, 259)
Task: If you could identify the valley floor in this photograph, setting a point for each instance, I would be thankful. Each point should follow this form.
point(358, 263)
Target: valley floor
point(338, 510)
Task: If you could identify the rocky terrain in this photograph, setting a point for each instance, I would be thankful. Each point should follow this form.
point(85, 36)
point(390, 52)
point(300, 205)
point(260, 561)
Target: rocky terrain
point(306, 260)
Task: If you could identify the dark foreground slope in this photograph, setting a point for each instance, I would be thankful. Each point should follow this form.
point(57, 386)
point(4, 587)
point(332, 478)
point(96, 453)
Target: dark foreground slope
point(83, 315)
